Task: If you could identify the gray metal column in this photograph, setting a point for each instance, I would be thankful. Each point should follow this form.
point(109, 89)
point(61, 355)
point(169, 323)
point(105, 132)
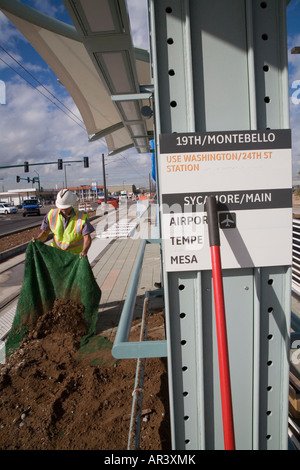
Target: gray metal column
point(221, 65)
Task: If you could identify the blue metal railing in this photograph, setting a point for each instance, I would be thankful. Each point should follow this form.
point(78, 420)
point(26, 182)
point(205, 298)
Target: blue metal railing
point(122, 348)
point(136, 410)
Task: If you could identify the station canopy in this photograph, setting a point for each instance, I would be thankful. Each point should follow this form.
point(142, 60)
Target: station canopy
point(108, 79)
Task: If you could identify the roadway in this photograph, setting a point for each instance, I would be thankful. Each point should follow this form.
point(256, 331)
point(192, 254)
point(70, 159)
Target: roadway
point(15, 222)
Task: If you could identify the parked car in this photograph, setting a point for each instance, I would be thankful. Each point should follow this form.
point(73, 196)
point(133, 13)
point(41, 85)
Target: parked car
point(31, 206)
point(110, 200)
point(85, 207)
point(6, 208)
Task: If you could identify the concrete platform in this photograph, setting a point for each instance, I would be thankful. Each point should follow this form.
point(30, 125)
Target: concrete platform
point(114, 266)
point(113, 272)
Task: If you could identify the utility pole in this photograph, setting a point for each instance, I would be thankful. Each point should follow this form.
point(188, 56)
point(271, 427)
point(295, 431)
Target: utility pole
point(104, 179)
point(37, 180)
point(65, 168)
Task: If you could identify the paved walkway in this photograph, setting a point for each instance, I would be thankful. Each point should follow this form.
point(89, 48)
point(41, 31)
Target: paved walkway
point(114, 269)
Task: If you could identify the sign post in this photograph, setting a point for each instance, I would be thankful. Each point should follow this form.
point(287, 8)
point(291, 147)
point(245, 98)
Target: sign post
point(225, 386)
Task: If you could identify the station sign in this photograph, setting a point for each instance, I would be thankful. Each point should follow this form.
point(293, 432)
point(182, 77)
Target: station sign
point(250, 174)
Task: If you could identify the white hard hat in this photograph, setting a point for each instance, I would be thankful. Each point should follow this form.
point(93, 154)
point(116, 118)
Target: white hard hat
point(65, 199)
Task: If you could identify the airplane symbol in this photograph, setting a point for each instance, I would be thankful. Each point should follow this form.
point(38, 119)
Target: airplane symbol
point(227, 220)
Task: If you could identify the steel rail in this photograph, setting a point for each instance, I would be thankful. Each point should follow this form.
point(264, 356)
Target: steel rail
point(122, 348)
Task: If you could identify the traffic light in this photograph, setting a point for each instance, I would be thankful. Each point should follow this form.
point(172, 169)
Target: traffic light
point(60, 164)
point(26, 167)
point(28, 180)
point(86, 162)
point(18, 179)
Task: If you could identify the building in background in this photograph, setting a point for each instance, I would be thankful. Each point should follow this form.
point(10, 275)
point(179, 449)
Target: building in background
point(48, 196)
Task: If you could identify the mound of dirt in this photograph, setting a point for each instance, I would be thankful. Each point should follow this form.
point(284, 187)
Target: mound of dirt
point(53, 398)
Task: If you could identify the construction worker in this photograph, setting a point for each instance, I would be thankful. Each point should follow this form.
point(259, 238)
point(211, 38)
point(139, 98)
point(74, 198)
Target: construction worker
point(71, 228)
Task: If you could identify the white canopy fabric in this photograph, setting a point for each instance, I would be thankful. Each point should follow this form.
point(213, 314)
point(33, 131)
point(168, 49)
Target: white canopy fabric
point(73, 64)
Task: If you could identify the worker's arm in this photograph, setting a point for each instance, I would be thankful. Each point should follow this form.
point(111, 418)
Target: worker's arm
point(42, 236)
point(87, 240)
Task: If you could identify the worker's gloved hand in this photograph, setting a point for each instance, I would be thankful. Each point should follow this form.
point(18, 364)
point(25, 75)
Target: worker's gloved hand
point(83, 254)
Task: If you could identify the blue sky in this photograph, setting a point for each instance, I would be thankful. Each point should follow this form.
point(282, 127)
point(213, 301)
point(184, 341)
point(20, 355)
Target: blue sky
point(293, 29)
point(41, 123)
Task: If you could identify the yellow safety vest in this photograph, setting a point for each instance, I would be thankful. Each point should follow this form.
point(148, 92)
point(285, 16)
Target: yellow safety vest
point(71, 238)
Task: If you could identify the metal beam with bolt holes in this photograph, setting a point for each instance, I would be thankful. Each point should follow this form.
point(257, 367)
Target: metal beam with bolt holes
point(220, 66)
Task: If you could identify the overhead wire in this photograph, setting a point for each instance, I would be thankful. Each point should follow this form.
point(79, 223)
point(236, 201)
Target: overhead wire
point(37, 89)
point(57, 99)
point(127, 162)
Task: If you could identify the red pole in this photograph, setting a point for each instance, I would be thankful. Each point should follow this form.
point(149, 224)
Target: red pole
point(227, 413)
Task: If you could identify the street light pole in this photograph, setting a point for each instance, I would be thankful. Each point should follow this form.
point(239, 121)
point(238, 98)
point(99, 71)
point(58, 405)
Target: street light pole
point(65, 165)
point(39, 185)
point(104, 179)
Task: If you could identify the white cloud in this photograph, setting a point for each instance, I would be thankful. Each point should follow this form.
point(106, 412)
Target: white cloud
point(294, 101)
point(139, 23)
point(34, 130)
point(48, 7)
point(9, 35)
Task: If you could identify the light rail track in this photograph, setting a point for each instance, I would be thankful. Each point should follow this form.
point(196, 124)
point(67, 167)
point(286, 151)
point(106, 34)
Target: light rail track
point(6, 319)
point(11, 277)
point(7, 302)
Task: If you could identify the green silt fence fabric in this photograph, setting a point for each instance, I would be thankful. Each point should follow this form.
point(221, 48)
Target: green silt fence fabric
point(52, 274)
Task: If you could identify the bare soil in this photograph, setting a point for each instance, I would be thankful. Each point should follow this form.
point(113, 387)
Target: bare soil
point(11, 241)
point(56, 396)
